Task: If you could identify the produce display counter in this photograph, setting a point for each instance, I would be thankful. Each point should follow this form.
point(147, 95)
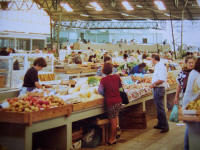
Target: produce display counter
point(8, 93)
point(70, 76)
point(193, 123)
point(21, 136)
point(76, 70)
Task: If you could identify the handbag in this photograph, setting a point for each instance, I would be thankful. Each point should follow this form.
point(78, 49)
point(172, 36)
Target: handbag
point(124, 96)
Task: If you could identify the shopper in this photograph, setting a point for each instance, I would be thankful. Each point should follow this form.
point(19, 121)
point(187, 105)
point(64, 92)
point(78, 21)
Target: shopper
point(125, 69)
point(31, 80)
point(138, 69)
point(91, 57)
point(109, 88)
point(78, 59)
point(4, 52)
point(105, 55)
point(183, 77)
point(106, 60)
point(158, 84)
point(191, 93)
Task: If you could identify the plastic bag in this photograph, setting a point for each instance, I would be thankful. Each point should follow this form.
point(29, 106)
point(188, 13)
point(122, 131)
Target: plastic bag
point(174, 114)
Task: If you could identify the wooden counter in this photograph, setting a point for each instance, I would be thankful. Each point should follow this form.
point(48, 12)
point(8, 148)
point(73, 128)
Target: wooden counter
point(21, 136)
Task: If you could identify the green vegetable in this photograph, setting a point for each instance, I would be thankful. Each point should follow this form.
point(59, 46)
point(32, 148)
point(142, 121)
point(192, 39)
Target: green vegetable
point(93, 81)
point(132, 64)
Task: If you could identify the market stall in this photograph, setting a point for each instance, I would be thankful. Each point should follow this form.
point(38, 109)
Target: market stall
point(65, 101)
point(82, 113)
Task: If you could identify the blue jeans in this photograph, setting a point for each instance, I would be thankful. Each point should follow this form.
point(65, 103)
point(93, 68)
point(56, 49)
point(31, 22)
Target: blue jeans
point(159, 93)
point(186, 139)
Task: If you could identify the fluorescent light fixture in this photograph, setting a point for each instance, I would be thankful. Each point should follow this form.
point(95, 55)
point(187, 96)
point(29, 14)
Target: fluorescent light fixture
point(127, 5)
point(96, 6)
point(66, 7)
point(160, 5)
point(139, 6)
point(124, 14)
point(84, 15)
point(113, 20)
point(166, 14)
point(88, 6)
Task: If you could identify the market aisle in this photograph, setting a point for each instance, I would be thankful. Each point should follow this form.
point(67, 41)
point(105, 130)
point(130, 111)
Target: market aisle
point(149, 139)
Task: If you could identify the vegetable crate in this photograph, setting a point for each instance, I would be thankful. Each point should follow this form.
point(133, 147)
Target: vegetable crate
point(29, 118)
point(89, 104)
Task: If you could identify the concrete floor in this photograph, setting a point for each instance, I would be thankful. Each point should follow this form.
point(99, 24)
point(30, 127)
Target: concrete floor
point(148, 139)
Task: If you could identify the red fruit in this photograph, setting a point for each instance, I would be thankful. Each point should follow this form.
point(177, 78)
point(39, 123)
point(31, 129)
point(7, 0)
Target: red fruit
point(40, 102)
point(16, 98)
point(31, 103)
point(46, 102)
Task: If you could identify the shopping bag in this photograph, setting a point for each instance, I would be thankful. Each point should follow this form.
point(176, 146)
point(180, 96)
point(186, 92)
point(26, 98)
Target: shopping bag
point(124, 96)
point(174, 114)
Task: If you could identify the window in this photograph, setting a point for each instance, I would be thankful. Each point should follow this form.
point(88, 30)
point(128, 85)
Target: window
point(38, 44)
point(23, 44)
point(6, 43)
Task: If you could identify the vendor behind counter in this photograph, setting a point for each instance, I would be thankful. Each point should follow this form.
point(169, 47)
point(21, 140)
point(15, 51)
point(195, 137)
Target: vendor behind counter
point(31, 80)
point(106, 60)
point(138, 69)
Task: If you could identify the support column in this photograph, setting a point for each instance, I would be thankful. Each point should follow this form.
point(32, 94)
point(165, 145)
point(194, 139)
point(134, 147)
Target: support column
point(173, 36)
point(28, 138)
point(143, 106)
point(182, 31)
point(69, 135)
point(157, 40)
point(31, 44)
point(51, 37)
point(58, 34)
point(15, 44)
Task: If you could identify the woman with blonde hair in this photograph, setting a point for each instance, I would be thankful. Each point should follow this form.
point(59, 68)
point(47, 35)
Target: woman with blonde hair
point(192, 92)
point(183, 77)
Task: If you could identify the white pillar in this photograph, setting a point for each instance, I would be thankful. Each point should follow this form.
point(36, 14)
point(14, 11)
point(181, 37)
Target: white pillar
point(15, 44)
point(45, 42)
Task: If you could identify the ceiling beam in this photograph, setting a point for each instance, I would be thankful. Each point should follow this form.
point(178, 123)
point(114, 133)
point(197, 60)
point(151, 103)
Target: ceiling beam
point(82, 7)
point(189, 13)
point(151, 10)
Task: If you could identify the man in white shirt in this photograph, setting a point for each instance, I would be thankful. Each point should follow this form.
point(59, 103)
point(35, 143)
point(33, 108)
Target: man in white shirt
point(158, 84)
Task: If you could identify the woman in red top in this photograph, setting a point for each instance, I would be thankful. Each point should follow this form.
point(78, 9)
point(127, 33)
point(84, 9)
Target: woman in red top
point(109, 88)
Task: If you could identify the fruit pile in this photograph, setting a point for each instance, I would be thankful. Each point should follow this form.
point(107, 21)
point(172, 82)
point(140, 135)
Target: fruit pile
point(30, 103)
point(136, 91)
point(194, 105)
point(145, 79)
point(171, 80)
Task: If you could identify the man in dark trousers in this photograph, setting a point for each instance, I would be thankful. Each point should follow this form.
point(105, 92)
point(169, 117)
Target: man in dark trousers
point(158, 84)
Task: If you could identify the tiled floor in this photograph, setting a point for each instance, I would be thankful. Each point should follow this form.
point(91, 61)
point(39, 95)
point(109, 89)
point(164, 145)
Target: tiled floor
point(149, 139)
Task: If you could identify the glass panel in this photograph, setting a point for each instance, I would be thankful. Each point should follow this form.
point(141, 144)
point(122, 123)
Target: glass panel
point(11, 43)
point(23, 44)
point(49, 59)
point(1, 43)
point(19, 60)
point(5, 63)
point(38, 44)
